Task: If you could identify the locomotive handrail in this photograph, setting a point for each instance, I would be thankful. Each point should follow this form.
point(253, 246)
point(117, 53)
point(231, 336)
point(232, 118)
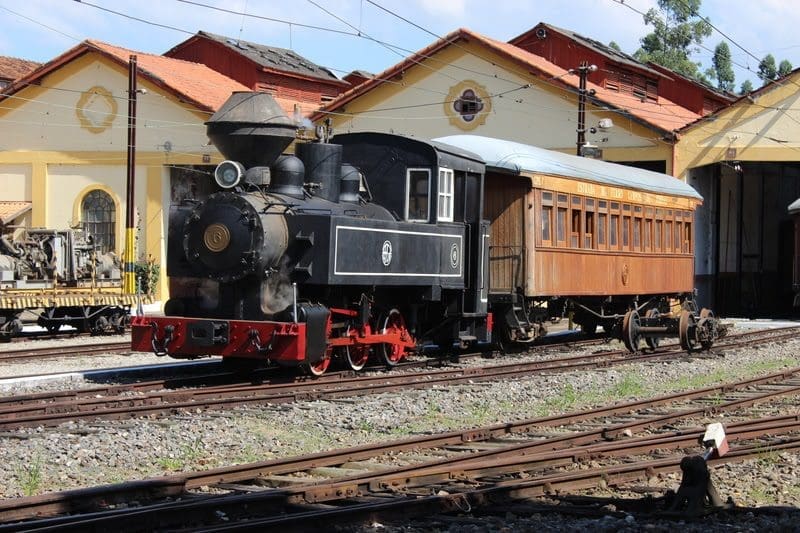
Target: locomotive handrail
point(154, 342)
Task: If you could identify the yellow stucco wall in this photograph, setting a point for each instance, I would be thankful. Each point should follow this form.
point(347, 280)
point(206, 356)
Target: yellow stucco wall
point(762, 127)
point(540, 114)
point(15, 182)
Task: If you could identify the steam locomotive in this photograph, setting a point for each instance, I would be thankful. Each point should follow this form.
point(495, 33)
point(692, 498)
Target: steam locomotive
point(370, 244)
point(300, 259)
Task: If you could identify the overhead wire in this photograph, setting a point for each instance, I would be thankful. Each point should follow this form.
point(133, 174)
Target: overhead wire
point(516, 83)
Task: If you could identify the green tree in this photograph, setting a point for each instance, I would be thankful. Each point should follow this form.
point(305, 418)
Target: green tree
point(767, 70)
point(677, 30)
point(613, 45)
point(723, 68)
point(747, 87)
point(784, 68)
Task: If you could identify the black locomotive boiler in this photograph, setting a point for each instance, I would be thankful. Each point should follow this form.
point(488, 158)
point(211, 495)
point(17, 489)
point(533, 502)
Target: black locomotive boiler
point(368, 244)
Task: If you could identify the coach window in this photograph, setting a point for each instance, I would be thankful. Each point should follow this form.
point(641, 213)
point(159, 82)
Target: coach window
point(575, 222)
point(626, 226)
point(668, 231)
point(648, 229)
point(602, 223)
point(445, 211)
point(546, 217)
point(418, 187)
point(678, 231)
point(687, 232)
point(561, 221)
point(613, 227)
point(657, 229)
point(98, 216)
point(588, 227)
point(637, 228)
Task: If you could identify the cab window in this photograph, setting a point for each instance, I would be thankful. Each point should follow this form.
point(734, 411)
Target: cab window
point(418, 195)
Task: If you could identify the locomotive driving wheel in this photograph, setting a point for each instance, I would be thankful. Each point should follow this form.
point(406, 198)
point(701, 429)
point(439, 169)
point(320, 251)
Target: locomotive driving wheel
point(686, 329)
point(392, 323)
point(319, 367)
point(356, 356)
point(652, 342)
point(630, 330)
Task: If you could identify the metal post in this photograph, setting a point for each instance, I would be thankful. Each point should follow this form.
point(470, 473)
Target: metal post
point(129, 279)
point(294, 302)
point(583, 72)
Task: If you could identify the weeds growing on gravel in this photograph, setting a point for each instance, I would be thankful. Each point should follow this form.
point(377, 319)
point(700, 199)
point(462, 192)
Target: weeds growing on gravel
point(31, 476)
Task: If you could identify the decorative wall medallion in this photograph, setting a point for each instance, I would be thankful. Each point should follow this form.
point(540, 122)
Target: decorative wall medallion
point(386, 253)
point(454, 256)
point(467, 105)
point(96, 109)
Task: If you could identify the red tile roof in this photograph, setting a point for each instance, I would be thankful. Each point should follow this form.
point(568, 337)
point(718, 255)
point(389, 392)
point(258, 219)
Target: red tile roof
point(11, 210)
point(12, 68)
point(664, 114)
point(192, 82)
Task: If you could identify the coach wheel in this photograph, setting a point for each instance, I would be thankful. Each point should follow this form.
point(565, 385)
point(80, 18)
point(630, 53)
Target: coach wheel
point(357, 355)
point(630, 330)
point(707, 334)
point(652, 342)
point(686, 323)
point(392, 324)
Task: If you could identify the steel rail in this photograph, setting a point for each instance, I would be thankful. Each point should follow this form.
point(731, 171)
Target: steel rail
point(463, 470)
point(19, 414)
point(174, 485)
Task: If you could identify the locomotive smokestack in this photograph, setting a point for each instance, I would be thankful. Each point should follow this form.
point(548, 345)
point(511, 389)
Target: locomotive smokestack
point(251, 128)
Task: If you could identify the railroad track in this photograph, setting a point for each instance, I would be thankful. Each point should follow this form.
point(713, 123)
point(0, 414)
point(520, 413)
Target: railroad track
point(481, 468)
point(117, 402)
point(27, 353)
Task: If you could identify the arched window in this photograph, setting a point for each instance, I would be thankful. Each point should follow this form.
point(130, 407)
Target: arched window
point(98, 215)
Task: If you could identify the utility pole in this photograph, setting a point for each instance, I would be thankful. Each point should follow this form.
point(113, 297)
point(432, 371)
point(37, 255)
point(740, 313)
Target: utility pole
point(583, 72)
point(129, 279)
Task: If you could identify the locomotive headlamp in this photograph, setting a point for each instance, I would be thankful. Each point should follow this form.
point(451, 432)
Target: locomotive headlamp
point(228, 174)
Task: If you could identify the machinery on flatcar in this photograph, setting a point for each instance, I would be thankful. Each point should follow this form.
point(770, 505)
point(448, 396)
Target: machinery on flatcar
point(58, 277)
point(608, 245)
point(365, 245)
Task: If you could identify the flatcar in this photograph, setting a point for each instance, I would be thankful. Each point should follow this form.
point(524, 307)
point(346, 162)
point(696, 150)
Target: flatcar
point(60, 279)
point(365, 245)
point(372, 244)
point(605, 244)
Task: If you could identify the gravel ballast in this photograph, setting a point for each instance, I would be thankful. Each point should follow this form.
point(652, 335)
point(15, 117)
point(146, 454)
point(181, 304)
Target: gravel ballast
point(38, 460)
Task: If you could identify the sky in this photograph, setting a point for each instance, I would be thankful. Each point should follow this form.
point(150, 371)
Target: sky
point(373, 35)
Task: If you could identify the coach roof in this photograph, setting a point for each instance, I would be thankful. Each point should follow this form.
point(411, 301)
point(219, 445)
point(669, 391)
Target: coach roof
point(520, 158)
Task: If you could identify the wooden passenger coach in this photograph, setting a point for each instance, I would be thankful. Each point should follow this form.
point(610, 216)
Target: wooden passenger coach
point(581, 236)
